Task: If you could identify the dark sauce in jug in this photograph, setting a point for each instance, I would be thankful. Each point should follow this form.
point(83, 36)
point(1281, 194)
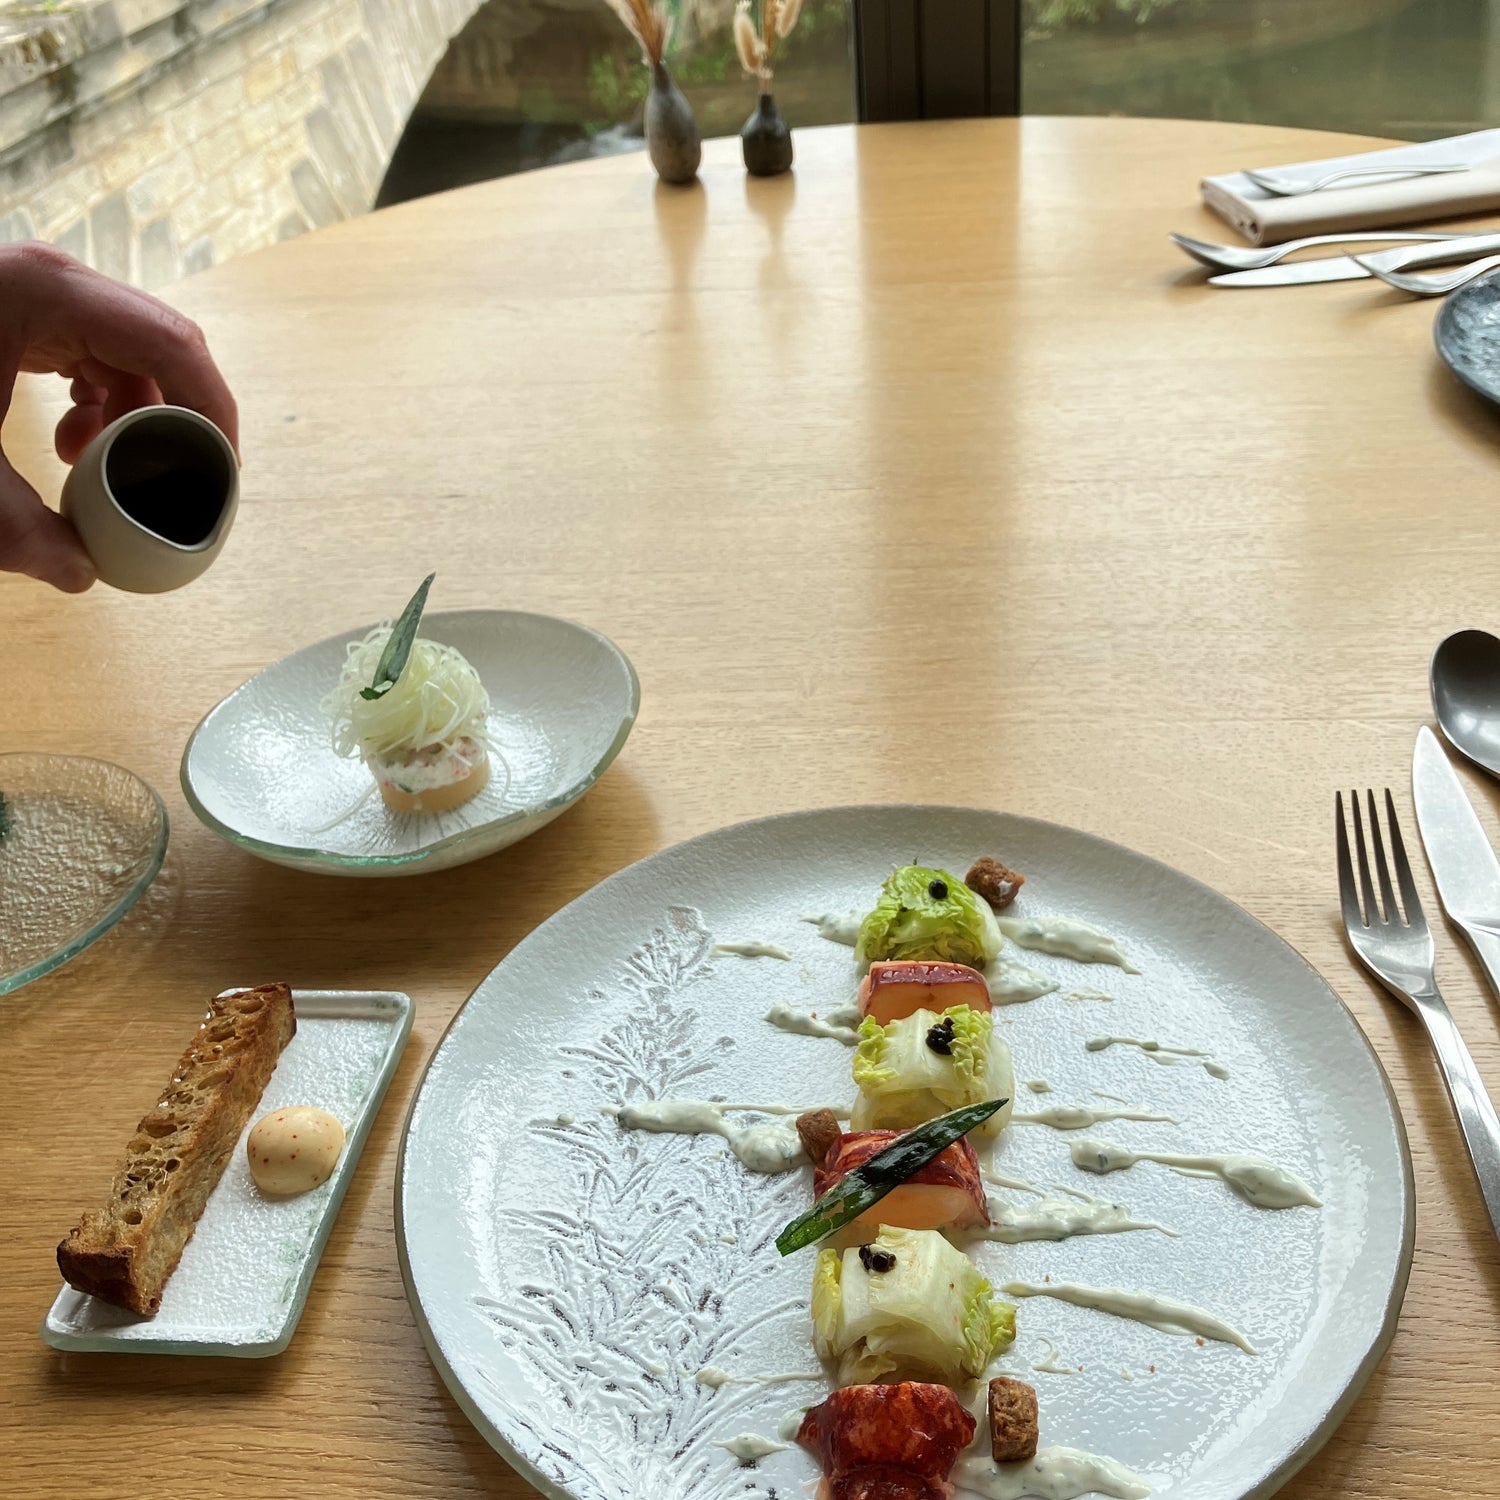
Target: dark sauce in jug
point(173, 482)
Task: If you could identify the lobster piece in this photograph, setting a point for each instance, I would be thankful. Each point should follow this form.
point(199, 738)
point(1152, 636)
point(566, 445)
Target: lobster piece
point(895, 988)
point(888, 1442)
point(945, 1194)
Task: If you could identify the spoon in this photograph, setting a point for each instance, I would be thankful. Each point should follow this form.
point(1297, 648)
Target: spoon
point(1465, 679)
point(1243, 258)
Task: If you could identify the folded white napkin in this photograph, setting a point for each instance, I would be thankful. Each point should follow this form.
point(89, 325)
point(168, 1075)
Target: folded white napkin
point(1364, 203)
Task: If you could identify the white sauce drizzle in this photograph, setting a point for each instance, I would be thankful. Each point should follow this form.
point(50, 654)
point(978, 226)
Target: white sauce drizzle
point(1066, 938)
point(749, 1446)
point(1168, 1057)
point(1158, 1052)
point(1054, 1474)
point(749, 950)
point(791, 1423)
point(1039, 1085)
point(1080, 1116)
point(1085, 993)
point(1049, 1363)
point(1013, 983)
point(1255, 1179)
point(565, 1120)
point(999, 1179)
point(841, 1023)
point(763, 1148)
point(1143, 1307)
point(713, 1377)
point(837, 927)
point(1057, 1218)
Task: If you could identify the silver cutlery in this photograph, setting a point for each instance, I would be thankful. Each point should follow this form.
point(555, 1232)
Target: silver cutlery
point(1247, 258)
point(1432, 286)
point(1463, 864)
point(1398, 950)
point(1381, 263)
point(1296, 273)
point(1465, 683)
point(1292, 187)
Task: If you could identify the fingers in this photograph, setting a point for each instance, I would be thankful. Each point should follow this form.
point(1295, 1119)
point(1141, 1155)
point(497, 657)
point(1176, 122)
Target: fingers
point(75, 316)
point(79, 426)
point(37, 541)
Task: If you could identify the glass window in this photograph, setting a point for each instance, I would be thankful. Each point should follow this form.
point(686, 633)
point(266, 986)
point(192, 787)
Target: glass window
point(531, 82)
point(1414, 69)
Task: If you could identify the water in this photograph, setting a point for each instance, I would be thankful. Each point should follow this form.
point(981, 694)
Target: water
point(1413, 69)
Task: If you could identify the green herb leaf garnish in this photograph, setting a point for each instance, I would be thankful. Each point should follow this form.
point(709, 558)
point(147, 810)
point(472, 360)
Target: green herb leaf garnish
point(868, 1183)
point(398, 648)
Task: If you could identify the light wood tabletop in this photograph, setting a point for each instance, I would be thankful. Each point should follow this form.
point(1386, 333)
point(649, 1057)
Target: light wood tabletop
point(929, 473)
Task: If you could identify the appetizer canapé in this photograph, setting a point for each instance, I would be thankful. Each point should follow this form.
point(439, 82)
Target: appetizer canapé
point(415, 711)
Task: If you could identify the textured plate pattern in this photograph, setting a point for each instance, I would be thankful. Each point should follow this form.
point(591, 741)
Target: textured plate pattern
point(243, 1278)
point(1467, 333)
point(571, 1278)
point(86, 839)
point(259, 769)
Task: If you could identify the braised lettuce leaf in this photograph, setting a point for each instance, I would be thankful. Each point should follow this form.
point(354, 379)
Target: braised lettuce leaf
point(925, 913)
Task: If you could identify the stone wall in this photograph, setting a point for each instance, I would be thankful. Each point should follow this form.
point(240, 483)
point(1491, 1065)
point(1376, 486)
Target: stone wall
point(151, 138)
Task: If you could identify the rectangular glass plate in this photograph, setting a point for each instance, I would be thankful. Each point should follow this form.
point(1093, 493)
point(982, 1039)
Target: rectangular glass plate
point(243, 1278)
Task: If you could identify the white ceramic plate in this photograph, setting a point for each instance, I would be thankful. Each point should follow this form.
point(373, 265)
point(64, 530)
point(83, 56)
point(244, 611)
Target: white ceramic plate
point(243, 1278)
point(571, 1278)
point(259, 770)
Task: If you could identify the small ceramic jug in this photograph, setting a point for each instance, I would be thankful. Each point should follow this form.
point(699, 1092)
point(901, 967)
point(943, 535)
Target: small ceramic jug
point(153, 498)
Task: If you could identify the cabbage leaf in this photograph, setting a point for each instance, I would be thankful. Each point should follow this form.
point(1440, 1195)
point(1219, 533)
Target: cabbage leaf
point(925, 913)
point(930, 1316)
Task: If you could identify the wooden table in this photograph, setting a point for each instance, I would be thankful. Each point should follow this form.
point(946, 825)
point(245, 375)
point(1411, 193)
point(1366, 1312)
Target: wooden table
point(940, 424)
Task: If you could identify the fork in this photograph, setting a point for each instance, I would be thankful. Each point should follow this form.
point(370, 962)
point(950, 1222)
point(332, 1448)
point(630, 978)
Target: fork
point(1291, 187)
point(1429, 286)
point(1244, 258)
point(1398, 950)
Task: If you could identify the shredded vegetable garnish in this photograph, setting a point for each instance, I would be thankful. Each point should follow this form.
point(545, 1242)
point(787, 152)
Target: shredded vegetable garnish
point(437, 699)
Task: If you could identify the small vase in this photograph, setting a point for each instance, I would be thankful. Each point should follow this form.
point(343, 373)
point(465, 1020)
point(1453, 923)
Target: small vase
point(767, 140)
point(671, 131)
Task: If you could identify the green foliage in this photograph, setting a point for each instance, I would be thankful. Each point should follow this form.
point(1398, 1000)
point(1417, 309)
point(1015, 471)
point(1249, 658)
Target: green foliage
point(617, 89)
point(618, 83)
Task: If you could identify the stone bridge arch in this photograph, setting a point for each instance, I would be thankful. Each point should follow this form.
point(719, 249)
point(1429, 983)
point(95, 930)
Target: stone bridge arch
point(152, 138)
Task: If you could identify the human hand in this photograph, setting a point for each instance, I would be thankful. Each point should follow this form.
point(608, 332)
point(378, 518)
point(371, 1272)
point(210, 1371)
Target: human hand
point(122, 349)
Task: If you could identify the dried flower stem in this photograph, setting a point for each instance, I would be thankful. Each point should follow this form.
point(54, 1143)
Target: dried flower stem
point(648, 22)
point(756, 45)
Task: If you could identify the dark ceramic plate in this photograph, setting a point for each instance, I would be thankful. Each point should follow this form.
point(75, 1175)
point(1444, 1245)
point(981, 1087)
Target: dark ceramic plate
point(1467, 334)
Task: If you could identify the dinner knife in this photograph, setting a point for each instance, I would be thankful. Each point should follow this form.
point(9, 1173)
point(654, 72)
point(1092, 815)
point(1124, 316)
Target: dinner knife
point(1463, 863)
point(1295, 273)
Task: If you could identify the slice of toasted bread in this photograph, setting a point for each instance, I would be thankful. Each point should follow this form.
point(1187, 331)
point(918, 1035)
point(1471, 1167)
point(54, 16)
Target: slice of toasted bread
point(125, 1251)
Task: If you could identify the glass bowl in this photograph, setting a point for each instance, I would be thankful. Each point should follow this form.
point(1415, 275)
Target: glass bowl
point(83, 839)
